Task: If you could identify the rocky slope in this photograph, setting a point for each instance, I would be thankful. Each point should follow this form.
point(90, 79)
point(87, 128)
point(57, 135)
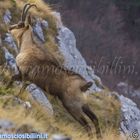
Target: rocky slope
point(74, 61)
point(106, 31)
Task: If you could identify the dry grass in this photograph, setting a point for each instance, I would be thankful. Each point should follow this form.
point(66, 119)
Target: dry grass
point(43, 10)
point(105, 106)
point(61, 122)
point(107, 109)
point(52, 125)
point(5, 4)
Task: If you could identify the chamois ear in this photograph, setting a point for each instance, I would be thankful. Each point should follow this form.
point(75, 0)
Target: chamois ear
point(86, 86)
point(29, 20)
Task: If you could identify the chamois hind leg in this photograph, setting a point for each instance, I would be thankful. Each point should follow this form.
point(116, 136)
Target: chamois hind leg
point(82, 120)
point(94, 119)
point(78, 115)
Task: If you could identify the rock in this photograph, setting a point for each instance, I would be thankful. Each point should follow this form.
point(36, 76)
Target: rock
point(10, 42)
point(7, 17)
point(39, 96)
point(6, 126)
point(60, 137)
point(38, 31)
point(27, 129)
point(10, 61)
point(73, 59)
point(131, 117)
point(124, 88)
point(27, 105)
point(59, 21)
point(44, 24)
point(8, 56)
point(129, 91)
point(13, 101)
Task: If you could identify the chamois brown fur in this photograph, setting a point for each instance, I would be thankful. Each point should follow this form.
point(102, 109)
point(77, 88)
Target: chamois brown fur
point(38, 66)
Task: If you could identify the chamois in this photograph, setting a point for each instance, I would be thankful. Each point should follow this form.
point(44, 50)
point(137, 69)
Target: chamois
point(41, 68)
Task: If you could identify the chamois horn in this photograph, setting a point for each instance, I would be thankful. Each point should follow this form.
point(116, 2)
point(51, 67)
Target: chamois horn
point(26, 10)
point(23, 11)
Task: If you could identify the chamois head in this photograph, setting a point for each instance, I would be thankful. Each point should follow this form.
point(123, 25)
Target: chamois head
point(18, 29)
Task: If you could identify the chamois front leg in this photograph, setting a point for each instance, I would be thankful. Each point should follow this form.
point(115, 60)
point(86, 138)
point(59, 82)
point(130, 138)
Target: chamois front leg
point(14, 78)
point(25, 84)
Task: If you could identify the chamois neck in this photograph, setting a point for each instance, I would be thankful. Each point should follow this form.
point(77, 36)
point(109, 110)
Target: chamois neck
point(26, 40)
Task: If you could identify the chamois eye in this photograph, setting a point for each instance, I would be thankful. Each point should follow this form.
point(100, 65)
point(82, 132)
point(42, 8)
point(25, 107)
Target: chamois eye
point(21, 25)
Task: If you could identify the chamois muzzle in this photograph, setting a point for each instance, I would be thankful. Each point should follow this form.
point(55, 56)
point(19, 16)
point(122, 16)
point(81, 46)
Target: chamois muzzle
point(17, 26)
